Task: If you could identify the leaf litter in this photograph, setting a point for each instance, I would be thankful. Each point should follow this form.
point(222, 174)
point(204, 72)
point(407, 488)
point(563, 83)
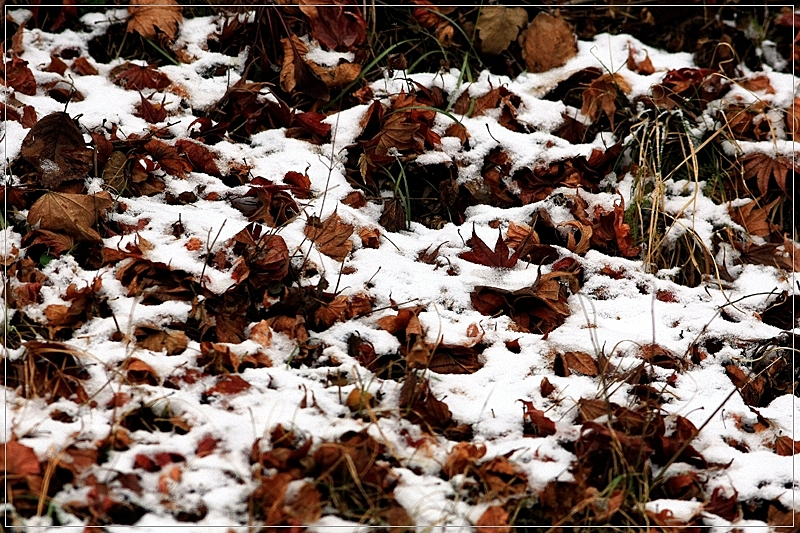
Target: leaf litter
point(221, 292)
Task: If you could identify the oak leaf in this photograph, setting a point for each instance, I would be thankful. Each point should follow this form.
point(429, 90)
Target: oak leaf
point(332, 236)
point(73, 214)
point(201, 158)
point(149, 17)
point(547, 43)
point(55, 146)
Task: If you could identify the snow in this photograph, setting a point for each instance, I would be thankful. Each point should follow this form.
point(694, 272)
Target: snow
point(490, 398)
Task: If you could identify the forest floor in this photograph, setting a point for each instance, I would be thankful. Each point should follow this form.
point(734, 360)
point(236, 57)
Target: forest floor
point(341, 268)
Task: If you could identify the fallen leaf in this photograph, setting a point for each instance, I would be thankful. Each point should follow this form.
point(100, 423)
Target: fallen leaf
point(296, 73)
point(168, 158)
point(581, 362)
point(150, 17)
point(784, 445)
point(332, 236)
point(19, 460)
point(336, 27)
point(201, 158)
point(763, 166)
point(499, 25)
point(753, 220)
point(229, 384)
point(82, 66)
point(152, 113)
point(73, 214)
point(645, 66)
point(547, 43)
point(494, 519)
point(758, 83)
point(483, 255)
point(461, 457)
point(19, 76)
point(139, 372)
point(261, 333)
point(135, 77)
point(55, 146)
point(602, 94)
point(535, 423)
point(173, 342)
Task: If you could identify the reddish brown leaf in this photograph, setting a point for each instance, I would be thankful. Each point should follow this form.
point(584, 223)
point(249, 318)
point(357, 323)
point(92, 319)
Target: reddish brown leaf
point(138, 78)
point(784, 445)
point(355, 200)
point(201, 158)
point(82, 66)
point(137, 371)
point(644, 66)
point(56, 65)
point(723, 506)
point(332, 236)
point(535, 423)
point(19, 460)
point(336, 27)
point(20, 77)
point(206, 445)
point(420, 406)
point(229, 384)
point(56, 148)
point(493, 520)
point(152, 113)
point(602, 94)
point(763, 166)
point(168, 157)
point(483, 255)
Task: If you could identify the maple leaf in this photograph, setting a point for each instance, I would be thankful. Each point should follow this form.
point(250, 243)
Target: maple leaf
point(152, 113)
point(55, 146)
point(135, 77)
point(73, 214)
point(483, 255)
point(762, 166)
point(149, 17)
point(547, 43)
point(753, 220)
point(332, 236)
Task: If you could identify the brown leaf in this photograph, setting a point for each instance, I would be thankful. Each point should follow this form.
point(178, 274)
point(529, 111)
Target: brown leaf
point(332, 236)
point(150, 17)
point(483, 255)
point(201, 158)
point(137, 78)
point(296, 73)
point(784, 445)
point(753, 220)
point(73, 214)
point(229, 384)
point(337, 76)
point(461, 457)
point(545, 387)
point(535, 423)
point(499, 25)
point(547, 43)
point(168, 157)
point(20, 77)
point(56, 148)
point(581, 362)
point(139, 372)
point(56, 65)
point(644, 66)
point(174, 342)
point(82, 66)
point(393, 216)
point(336, 27)
point(332, 312)
point(152, 113)
point(370, 237)
point(758, 83)
point(602, 94)
point(261, 333)
point(762, 166)
point(355, 199)
point(19, 460)
point(494, 519)
point(420, 406)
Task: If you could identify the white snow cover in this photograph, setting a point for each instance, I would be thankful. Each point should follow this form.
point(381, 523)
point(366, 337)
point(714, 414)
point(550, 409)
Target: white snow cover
point(487, 399)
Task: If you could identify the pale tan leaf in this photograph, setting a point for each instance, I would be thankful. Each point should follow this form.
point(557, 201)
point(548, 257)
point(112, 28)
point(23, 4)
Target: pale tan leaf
point(547, 43)
point(499, 25)
point(148, 17)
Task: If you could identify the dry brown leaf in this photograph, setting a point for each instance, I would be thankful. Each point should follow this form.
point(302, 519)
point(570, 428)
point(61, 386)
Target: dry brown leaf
point(174, 342)
point(762, 167)
point(137, 371)
point(337, 76)
point(261, 333)
point(493, 520)
point(601, 95)
point(644, 66)
point(73, 214)
point(148, 17)
point(55, 146)
point(547, 43)
point(499, 25)
point(751, 219)
point(581, 362)
point(296, 73)
point(332, 236)
point(758, 83)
